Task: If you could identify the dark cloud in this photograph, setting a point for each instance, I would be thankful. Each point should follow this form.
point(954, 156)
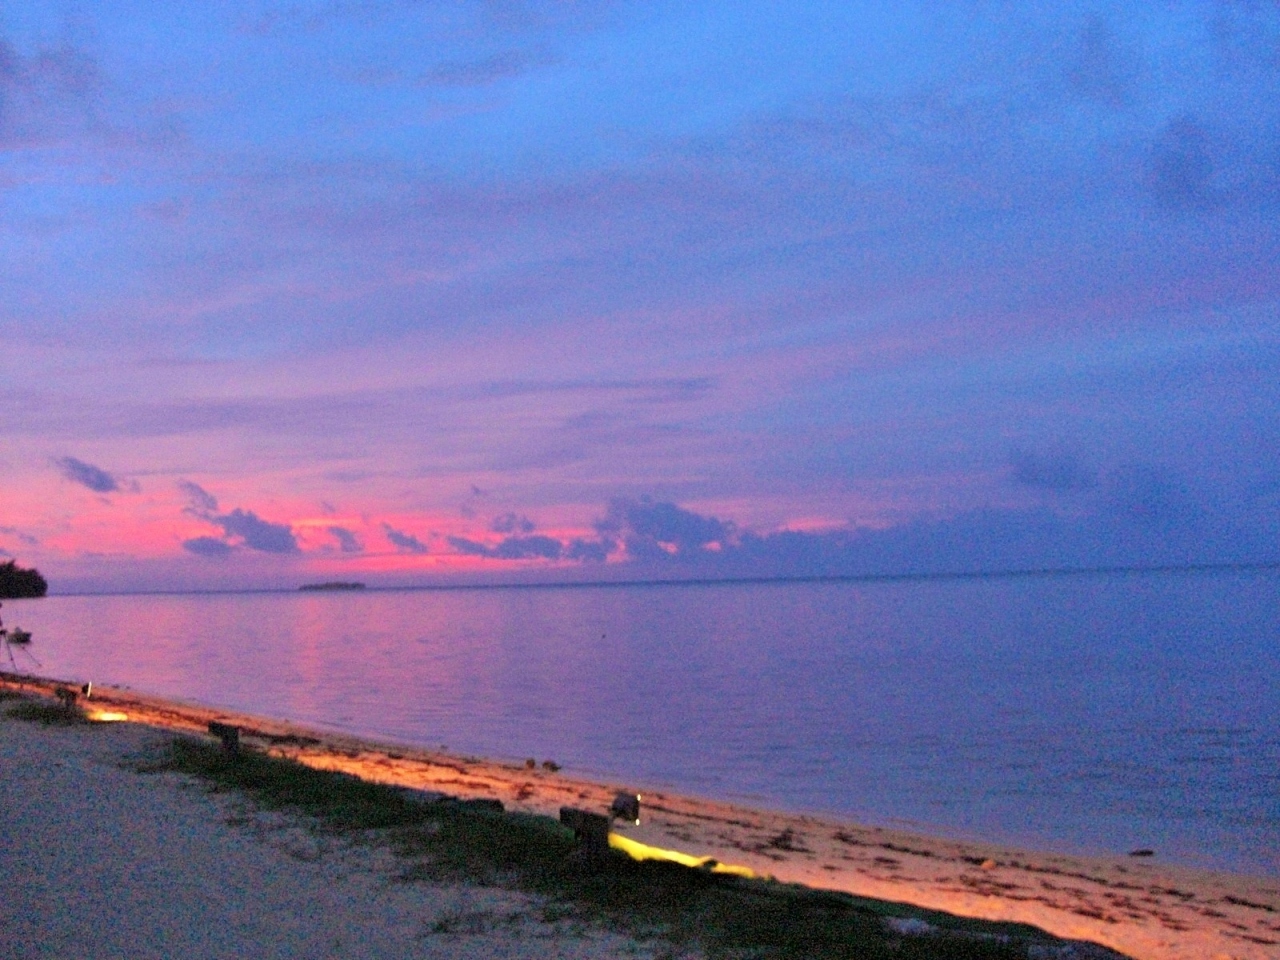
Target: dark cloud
point(348, 542)
point(512, 523)
point(1264, 490)
point(1136, 516)
point(319, 415)
point(207, 547)
point(405, 541)
point(517, 17)
point(257, 534)
point(1099, 69)
point(483, 71)
point(199, 500)
point(588, 551)
point(980, 541)
point(87, 475)
point(511, 548)
point(1140, 516)
point(526, 548)
point(26, 538)
point(45, 95)
point(649, 528)
point(467, 547)
point(1182, 167)
point(1147, 495)
point(1055, 471)
point(648, 389)
point(254, 532)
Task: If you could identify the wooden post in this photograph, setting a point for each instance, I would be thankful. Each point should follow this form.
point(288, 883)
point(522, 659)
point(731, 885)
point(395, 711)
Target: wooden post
point(228, 734)
point(590, 829)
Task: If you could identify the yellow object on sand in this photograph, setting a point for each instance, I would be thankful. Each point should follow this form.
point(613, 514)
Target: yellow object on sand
point(641, 851)
point(106, 716)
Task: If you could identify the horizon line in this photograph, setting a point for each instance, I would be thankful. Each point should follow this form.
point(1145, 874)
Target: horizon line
point(1014, 574)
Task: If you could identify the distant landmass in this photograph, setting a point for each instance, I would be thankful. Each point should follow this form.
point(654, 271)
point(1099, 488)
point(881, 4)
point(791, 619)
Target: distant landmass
point(16, 581)
point(333, 585)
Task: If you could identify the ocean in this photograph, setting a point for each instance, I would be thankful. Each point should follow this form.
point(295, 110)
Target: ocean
point(1087, 713)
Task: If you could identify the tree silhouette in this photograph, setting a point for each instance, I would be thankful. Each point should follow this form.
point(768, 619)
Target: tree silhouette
point(16, 581)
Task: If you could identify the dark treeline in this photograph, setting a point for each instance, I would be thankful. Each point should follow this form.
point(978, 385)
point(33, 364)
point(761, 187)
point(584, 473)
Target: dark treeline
point(16, 581)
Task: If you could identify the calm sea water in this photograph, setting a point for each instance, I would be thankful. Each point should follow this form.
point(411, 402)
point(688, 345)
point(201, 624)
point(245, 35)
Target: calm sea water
point(1083, 713)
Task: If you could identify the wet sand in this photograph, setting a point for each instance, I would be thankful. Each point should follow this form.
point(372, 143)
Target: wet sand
point(1145, 909)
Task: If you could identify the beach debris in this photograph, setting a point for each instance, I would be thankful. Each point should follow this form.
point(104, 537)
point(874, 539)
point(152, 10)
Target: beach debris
point(295, 740)
point(1142, 852)
point(420, 795)
point(626, 806)
point(432, 797)
point(87, 690)
point(591, 830)
point(530, 763)
point(487, 804)
point(550, 766)
point(910, 926)
point(788, 841)
point(228, 733)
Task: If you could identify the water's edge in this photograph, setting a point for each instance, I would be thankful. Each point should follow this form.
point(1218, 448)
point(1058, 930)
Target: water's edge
point(1087, 715)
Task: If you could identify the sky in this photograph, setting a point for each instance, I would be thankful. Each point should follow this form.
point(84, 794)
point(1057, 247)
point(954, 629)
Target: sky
point(490, 290)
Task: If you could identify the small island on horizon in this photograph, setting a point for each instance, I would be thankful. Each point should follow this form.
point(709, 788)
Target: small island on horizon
point(333, 585)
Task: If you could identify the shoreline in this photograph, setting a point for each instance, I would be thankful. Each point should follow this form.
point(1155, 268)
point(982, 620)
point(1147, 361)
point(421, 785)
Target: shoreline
point(111, 853)
point(1141, 908)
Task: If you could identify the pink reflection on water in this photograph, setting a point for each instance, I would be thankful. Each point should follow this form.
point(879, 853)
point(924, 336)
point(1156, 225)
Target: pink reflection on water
point(1083, 714)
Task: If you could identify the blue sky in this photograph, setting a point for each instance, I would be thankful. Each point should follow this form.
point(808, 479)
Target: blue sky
point(850, 286)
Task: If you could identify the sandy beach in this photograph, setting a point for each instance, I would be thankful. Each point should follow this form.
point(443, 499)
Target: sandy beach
point(100, 861)
point(1139, 907)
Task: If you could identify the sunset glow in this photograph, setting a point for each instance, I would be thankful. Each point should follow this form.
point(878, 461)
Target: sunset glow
point(511, 291)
